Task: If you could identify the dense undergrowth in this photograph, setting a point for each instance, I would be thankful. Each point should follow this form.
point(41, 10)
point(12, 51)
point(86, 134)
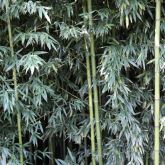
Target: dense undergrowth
point(48, 52)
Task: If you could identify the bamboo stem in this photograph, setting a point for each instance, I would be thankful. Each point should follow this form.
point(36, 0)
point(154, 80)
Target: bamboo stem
point(31, 152)
point(157, 82)
point(95, 90)
point(51, 150)
point(85, 149)
point(15, 85)
point(147, 157)
point(64, 145)
point(90, 99)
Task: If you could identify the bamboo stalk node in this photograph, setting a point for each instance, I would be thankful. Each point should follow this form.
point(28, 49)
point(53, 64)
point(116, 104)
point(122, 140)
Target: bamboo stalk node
point(156, 99)
point(157, 46)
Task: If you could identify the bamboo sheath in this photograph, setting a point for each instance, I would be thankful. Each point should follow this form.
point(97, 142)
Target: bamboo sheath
point(90, 99)
point(95, 90)
point(157, 82)
point(15, 85)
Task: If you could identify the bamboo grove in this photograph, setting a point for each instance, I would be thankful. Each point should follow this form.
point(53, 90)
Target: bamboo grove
point(82, 82)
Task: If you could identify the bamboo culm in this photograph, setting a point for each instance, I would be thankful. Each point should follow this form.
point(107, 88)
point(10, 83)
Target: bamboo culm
point(51, 150)
point(95, 90)
point(15, 85)
point(157, 82)
point(90, 99)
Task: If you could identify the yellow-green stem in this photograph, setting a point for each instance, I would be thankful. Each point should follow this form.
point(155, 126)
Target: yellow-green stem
point(15, 84)
point(95, 90)
point(157, 82)
point(90, 99)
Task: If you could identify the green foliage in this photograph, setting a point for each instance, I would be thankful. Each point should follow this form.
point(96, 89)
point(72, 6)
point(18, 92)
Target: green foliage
point(48, 39)
point(69, 160)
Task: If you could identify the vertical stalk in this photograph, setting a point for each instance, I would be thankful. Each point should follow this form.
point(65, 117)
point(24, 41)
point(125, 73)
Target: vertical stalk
point(31, 152)
point(64, 145)
point(95, 90)
point(15, 84)
point(90, 99)
point(147, 157)
point(51, 150)
point(157, 82)
point(85, 149)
